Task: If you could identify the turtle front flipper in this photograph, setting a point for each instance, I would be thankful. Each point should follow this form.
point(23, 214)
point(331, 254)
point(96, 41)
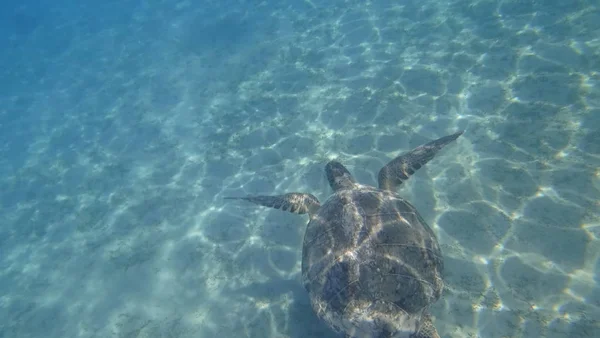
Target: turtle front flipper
point(297, 203)
point(427, 329)
point(402, 167)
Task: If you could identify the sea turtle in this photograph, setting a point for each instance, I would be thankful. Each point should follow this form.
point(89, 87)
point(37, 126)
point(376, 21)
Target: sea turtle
point(370, 263)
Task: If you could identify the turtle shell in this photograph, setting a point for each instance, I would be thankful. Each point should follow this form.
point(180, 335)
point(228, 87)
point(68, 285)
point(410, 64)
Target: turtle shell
point(371, 264)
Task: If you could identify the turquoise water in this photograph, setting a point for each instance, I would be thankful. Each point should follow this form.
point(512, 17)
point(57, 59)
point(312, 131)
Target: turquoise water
point(123, 124)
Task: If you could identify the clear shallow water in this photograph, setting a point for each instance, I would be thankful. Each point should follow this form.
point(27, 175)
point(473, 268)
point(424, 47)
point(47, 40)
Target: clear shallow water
point(123, 126)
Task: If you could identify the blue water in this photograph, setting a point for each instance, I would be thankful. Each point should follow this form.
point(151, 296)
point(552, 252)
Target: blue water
point(123, 124)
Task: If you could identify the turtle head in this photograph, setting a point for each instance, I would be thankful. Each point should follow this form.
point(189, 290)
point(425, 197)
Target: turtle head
point(338, 176)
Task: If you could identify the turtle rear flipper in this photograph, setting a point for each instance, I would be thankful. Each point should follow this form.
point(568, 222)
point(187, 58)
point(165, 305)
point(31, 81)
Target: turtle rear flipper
point(402, 167)
point(297, 203)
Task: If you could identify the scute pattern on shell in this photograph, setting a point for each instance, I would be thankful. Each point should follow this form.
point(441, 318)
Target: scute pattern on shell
point(371, 263)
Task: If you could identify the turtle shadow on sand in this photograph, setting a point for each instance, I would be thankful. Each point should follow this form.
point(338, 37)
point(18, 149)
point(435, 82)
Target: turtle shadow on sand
point(370, 263)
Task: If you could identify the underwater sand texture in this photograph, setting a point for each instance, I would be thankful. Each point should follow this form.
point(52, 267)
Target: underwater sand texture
point(122, 130)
